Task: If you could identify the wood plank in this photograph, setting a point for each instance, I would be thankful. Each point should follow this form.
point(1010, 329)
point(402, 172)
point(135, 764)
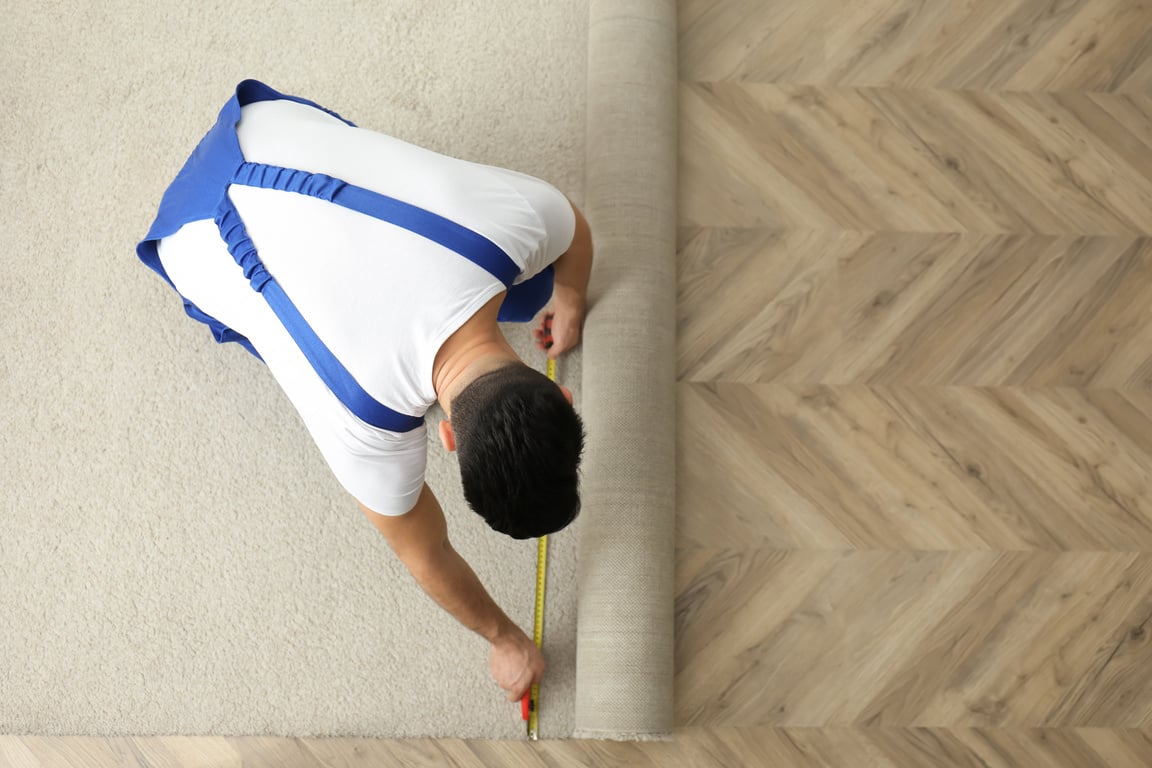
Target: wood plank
point(721, 747)
point(1016, 45)
point(829, 468)
point(894, 308)
point(798, 157)
point(914, 639)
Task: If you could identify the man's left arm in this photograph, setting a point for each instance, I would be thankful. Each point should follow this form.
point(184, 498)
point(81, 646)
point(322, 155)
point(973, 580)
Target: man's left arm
point(574, 267)
point(572, 271)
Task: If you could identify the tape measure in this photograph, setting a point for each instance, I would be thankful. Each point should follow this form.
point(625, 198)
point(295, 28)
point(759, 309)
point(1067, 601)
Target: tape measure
point(530, 705)
point(538, 633)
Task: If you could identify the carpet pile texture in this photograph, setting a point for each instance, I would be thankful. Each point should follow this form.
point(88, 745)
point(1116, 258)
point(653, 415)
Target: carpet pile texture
point(174, 555)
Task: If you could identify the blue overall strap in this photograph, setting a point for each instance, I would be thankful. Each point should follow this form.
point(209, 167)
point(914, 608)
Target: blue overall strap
point(195, 192)
point(330, 370)
point(471, 245)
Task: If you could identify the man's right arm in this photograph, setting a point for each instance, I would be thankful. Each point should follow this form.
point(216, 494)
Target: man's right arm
point(420, 539)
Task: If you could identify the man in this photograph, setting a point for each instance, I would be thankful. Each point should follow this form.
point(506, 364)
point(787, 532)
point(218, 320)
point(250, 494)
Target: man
point(370, 275)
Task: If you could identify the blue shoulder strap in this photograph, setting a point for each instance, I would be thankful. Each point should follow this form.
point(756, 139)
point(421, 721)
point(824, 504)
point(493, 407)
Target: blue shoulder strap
point(471, 245)
point(330, 370)
point(197, 189)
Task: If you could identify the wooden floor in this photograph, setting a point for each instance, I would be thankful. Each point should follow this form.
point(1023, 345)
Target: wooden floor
point(915, 354)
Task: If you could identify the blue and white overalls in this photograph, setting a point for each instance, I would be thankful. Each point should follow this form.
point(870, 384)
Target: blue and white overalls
point(199, 192)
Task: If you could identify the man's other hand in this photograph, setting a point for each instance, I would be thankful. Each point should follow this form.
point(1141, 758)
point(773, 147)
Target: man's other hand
point(561, 327)
point(515, 663)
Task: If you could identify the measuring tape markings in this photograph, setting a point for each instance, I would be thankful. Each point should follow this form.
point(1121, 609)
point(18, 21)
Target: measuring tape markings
point(530, 705)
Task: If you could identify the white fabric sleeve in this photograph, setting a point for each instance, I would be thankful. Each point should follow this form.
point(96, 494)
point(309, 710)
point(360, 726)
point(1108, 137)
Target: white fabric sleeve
point(382, 470)
point(557, 218)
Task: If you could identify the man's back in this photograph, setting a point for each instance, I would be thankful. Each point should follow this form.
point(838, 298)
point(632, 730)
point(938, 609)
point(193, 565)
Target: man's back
point(381, 298)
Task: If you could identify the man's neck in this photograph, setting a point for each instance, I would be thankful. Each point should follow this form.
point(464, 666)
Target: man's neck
point(476, 348)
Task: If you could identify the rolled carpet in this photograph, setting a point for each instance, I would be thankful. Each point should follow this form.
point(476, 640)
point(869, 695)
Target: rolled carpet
point(624, 656)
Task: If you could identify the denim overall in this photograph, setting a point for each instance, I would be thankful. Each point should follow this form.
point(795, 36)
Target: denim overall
point(200, 191)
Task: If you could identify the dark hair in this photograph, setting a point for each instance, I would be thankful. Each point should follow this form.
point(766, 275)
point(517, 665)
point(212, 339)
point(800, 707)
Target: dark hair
point(519, 443)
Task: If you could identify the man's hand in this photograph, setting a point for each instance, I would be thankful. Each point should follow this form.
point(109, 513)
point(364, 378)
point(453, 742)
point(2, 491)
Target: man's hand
point(515, 663)
point(420, 539)
point(560, 329)
point(561, 326)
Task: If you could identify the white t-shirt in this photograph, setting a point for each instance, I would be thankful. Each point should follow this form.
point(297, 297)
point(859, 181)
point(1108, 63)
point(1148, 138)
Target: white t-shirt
point(381, 298)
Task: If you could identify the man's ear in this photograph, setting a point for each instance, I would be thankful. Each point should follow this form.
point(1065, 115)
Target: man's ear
point(567, 394)
point(447, 438)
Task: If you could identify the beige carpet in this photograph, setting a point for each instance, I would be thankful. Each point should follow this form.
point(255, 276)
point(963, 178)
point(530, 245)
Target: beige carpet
point(174, 555)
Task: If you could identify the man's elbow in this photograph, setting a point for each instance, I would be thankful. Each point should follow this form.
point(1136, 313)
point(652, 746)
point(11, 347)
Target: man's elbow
point(423, 561)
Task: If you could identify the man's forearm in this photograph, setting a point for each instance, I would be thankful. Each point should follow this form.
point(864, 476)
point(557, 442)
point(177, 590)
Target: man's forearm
point(420, 539)
point(573, 270)
point(451, 582)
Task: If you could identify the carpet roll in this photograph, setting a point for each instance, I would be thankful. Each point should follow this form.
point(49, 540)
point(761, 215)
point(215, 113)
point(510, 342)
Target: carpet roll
point(624, 657)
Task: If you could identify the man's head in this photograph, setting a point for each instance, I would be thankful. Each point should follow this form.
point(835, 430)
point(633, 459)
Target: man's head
point(519, 442)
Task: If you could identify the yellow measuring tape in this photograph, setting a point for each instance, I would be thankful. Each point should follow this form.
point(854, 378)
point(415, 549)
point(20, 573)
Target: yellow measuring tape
point(533, 710)
point(538, 633)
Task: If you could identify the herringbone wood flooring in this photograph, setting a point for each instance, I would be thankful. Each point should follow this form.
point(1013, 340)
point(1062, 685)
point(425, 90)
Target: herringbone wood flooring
point(916, 400)
point(915, 351)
